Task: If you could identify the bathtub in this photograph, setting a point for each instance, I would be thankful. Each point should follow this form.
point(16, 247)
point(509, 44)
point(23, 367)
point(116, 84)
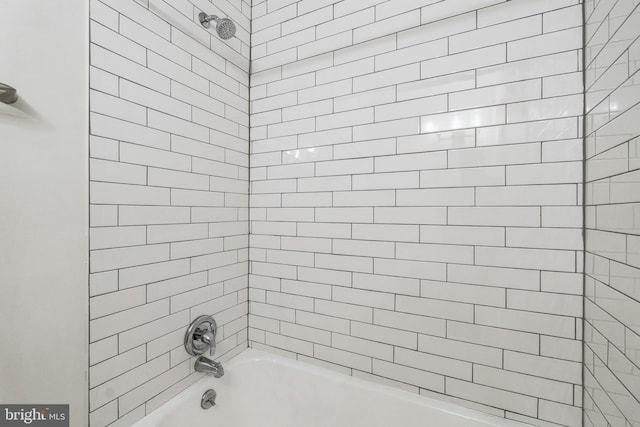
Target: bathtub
point(265, 390)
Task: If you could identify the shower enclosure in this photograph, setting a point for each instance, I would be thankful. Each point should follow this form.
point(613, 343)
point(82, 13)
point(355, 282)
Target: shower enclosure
point(437, 195)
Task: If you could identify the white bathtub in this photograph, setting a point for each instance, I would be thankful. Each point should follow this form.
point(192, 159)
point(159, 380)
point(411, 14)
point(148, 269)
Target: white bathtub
point(265, 390)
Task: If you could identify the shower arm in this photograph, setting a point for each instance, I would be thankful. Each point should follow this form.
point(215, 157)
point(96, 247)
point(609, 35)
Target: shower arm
point(206, 19)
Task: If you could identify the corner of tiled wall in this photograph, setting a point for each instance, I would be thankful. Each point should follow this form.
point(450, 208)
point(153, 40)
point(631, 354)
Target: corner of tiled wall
point(169, 196)
point(416, 196)
point(612, 215)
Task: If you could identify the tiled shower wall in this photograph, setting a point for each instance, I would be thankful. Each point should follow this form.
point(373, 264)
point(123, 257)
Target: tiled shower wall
point(612, 291)
point(415, 196)
point(168, 194)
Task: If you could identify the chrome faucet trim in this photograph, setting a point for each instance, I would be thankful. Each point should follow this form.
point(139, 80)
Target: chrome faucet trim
point(200, 336)
point(209, 367)
point(208, 399)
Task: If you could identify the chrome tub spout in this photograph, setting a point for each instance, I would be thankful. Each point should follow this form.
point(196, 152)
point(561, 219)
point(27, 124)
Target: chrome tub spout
point(209, 367)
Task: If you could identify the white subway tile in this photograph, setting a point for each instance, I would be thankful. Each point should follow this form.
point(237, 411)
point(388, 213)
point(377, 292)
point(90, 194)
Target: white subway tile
point(410, 322)
point(114, 237)
point(490, 156)
point(386, 335)
point(418, 215)
point(507, 12)
point(324, 91)
point(150, 389)
point(499, 94)
point(557, 63)
point(416, 107)
point(320, 321)
point(365, 50)
point(409, 375)
point(362, 346)
point(437, 364)
point(344, 311)
point(542, 259)
point(411, 269)
point(411, 54)
point(494, 337)
point(314, 290)
point(559, 41)
point(473, 294)
point(378, 147)
point(152, 330)
point(144, 274)
point(464, 61)
point(556, 369)
point(345, 263)
point(130, 132)
point(364, 198)
point(436, 197)
point(439, 10)
point(480, 355)
point(548, 238)
point(363, 248)
point(383, 95)
point(117, 108)
point(363, 297)
point(110, 259)
point(390, 77)
point(123, 67)
point(495, 216)
point(148, 215)
point(114, 302)
point(435, 253)
point(546, 324)
point(342, 357)
point(500, 33)
point(492, 396)
point(305, 333)
point(119, 322)
point(395, 285)
point(479, 117)
point(469, 177)
point(102, 283)
point(345, 119)
point(436, 30)
point(435, 308)
point(124, 383)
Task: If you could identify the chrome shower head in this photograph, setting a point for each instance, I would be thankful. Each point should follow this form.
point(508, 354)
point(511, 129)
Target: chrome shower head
point(224, 26)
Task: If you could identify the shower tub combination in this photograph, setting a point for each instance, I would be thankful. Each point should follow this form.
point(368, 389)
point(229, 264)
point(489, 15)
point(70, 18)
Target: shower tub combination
point(264, 390)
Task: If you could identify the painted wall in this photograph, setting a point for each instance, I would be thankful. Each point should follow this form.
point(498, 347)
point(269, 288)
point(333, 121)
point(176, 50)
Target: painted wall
point(168, 193)
point(43, 212)
point(415, 196)
point(612, 288)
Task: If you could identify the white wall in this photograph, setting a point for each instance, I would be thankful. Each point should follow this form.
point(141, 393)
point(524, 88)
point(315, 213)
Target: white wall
point(169, 197)
point(43, 207)
point(415, 203)
point(612, 198)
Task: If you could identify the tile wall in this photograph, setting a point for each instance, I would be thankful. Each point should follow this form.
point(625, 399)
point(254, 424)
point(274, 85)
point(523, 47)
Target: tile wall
point(612, 215)
point(416, 197)
point(169, 196)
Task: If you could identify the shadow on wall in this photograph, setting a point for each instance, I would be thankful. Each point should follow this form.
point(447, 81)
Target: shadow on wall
point(22, 113)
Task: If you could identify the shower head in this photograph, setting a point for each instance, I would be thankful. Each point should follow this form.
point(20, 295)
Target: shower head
point(224, 26)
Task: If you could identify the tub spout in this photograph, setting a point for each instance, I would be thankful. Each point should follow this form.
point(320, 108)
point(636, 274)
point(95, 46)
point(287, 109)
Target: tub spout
point(209, 367)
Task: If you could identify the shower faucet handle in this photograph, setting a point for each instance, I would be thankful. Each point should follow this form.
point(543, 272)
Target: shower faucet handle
point(209, 338)
point(201, 335)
